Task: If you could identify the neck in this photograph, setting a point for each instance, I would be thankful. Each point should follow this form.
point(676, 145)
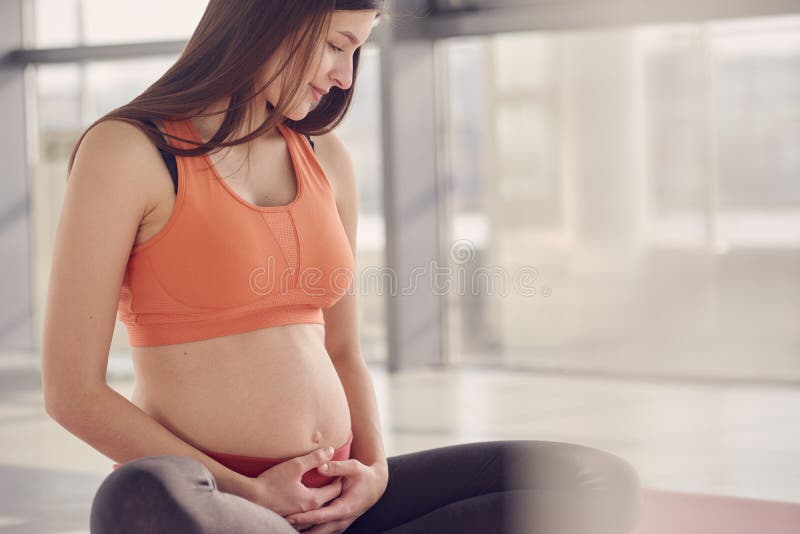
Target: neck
point(255, 115)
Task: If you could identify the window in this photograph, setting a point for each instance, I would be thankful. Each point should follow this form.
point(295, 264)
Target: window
point(71, 22)
point(647, 178)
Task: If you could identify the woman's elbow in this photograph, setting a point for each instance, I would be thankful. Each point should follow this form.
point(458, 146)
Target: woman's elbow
point(65, 401)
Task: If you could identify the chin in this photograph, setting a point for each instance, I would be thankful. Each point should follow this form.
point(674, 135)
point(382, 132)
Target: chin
point(297, 114)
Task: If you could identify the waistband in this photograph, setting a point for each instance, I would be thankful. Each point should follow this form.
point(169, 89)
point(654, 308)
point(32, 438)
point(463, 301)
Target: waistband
point(252, 466)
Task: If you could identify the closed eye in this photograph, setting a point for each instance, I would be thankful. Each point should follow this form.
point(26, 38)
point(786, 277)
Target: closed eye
point(336, 48)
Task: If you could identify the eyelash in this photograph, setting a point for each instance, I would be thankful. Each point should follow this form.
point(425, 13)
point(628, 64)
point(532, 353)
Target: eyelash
point(336, 48)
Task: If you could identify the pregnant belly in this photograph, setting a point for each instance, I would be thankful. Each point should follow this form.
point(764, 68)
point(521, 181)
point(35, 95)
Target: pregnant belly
point(278, 400)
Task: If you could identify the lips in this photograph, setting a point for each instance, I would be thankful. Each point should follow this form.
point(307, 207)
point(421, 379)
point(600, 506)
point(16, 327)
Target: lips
point(318, 93)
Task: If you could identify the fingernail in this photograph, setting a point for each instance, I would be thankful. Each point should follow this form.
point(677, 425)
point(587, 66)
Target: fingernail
point(324, 467)
point(330, 451)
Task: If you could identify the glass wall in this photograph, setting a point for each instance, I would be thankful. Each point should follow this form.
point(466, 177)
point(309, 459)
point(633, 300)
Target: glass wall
point(646, 180)
point(66, 98)
point(71, 22)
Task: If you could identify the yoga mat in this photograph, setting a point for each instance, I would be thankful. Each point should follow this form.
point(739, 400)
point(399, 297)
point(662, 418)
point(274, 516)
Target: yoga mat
point(664, 512)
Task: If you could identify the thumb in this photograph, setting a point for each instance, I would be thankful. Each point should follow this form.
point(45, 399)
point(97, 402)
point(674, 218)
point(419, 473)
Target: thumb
point(315, 458)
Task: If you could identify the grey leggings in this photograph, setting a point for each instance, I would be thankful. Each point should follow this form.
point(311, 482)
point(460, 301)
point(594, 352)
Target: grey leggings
point(504, 487)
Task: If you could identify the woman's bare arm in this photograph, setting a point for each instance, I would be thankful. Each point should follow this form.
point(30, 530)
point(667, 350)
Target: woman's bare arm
point(110, 188)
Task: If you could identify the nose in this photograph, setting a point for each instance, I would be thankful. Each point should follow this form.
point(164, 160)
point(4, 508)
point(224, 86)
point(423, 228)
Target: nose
point(342, 74)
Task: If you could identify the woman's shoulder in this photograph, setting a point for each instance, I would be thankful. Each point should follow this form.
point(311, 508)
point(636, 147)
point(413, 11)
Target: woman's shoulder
point(112, 130)
point(335, 159)
point(126, 153)
point(120, 140)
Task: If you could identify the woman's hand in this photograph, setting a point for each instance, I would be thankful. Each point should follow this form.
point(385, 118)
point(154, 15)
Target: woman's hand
point(362, 486)
point(280, 488)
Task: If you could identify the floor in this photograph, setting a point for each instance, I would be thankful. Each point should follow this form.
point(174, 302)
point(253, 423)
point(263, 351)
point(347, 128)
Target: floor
point(728, 440)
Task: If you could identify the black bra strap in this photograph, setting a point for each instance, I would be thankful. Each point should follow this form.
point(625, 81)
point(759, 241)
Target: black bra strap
point(168, 158)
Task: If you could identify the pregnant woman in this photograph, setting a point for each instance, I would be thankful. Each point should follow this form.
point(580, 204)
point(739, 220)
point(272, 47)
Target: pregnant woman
point(205, 218)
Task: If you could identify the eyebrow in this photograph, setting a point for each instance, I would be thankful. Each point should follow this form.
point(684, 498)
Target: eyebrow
point(353, 38)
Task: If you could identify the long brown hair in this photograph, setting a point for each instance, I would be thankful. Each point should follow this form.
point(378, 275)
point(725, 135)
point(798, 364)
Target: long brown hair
point(224, 57)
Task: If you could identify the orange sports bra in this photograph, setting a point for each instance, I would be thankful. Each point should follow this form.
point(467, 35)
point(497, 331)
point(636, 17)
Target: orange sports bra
point(222, 265)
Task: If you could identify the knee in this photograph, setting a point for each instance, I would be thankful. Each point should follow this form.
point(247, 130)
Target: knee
point(612, 485)
point(580, 466)
point(608, 471)
point(144, 495)
point(568, 466)
point(598, 484)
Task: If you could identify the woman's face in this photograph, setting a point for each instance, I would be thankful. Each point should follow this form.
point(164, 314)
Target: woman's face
point(334, 68)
